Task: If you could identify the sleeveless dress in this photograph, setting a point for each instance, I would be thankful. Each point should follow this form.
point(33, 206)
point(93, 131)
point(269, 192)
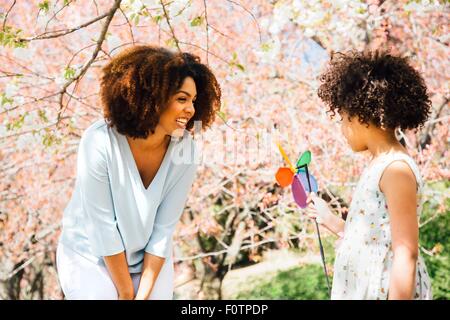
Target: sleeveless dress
point(364, 258)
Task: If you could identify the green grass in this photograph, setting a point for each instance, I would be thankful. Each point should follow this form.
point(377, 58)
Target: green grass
point(306, 282)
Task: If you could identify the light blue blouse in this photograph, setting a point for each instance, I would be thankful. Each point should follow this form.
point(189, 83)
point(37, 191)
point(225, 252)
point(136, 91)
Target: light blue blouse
point(111, 211)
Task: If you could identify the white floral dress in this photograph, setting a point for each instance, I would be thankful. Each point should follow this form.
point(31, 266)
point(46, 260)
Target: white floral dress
point(364, 257)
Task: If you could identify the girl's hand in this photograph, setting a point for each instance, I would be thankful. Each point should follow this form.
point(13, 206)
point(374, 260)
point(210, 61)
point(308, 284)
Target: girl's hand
point(319, 210)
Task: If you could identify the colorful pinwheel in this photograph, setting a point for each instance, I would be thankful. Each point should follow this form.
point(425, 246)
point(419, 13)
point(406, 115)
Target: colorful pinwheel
point(301, 182)
point(299, 178)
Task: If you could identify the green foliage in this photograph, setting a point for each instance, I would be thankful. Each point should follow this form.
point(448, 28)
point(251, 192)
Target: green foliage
point(136, 14)
point(306, 282)
point(157, 19)
point(222, 115)
point(438, 268)
point(197, 21)
point(235, 63)
point(69, 73)
point(435, 236)
point(43, 115)
point(17, 123)
point(11, 38)
point(44, 6)
point(171, 43)
point(134, 17)
point(50, 139)
point(265, 47)
point(4, 100)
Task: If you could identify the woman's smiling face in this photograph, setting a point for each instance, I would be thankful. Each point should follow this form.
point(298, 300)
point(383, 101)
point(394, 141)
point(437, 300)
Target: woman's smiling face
point(180, 109)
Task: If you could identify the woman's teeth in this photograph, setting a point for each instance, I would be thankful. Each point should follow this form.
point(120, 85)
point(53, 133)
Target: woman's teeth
point(182, 122)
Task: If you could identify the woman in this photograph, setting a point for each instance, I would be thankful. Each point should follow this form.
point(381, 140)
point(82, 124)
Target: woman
point(130, 188)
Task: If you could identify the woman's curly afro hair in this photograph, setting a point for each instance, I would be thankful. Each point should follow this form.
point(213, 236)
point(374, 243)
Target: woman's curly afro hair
point(137, 84)
point(377, 87)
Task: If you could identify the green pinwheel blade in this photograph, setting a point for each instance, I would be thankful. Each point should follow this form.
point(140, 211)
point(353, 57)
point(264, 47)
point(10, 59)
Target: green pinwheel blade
point(305, 159)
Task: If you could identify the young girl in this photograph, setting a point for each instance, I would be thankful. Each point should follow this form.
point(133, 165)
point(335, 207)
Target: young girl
point(378, 258)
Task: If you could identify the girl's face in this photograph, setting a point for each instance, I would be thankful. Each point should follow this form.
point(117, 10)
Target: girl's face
point(180, 109)
point(354, 132)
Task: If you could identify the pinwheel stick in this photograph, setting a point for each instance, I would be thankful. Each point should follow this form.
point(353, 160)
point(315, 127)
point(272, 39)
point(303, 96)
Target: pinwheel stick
point(322, 254)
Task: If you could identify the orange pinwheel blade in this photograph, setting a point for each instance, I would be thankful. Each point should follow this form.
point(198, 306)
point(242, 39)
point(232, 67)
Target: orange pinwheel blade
point(284, 177)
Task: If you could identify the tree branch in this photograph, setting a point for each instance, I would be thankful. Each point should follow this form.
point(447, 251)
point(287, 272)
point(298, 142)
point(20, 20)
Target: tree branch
point(129, 25)
point(60, 33)
point(166, 15)
point(425, 138)
point(207, 31)
point(54, 15)
point(6, 15)
point(100, 40)
point(252, 15)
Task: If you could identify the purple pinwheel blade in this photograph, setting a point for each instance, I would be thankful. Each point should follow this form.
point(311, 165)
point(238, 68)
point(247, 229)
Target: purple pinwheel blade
point(304, 180)
point(298, 191)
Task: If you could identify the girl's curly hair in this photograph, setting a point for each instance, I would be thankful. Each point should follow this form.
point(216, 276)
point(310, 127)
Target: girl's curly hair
point(377, 87)
point(137, 83)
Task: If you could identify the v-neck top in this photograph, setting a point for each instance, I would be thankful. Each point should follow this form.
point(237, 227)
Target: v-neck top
point(111, 211)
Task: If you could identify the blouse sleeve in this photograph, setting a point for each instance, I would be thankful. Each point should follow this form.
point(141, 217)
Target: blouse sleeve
point(169, 213)
point(101, 224)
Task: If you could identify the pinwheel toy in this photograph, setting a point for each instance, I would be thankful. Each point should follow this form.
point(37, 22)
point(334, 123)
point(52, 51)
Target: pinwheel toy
point(299, 178)
point(301, 182)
